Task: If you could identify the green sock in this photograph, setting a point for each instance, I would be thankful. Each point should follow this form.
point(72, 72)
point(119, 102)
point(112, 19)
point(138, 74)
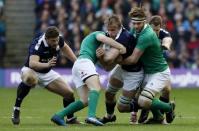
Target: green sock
point(159, 105)
point(157, 115)
point(70, 109)
point(92, 102)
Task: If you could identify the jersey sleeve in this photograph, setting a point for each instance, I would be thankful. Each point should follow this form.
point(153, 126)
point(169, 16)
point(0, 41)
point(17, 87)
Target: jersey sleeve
point(34, 49)
point(165, 33)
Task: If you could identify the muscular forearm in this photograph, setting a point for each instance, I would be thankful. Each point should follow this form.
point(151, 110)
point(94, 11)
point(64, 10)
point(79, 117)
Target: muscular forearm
point(111, 42)
point(128, 61)
point(38, 65)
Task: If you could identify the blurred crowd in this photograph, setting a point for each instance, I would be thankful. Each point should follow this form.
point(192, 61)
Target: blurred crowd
point(77, 18)
point(2, 32)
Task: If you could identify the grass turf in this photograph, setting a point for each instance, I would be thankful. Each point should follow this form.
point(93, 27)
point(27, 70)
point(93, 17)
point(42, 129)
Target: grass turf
point(40, 105)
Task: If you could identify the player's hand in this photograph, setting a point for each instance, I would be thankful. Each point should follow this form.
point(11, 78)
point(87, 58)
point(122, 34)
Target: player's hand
point(52, 62)
point(100, 52)
point(122, 50)
point(166, 47)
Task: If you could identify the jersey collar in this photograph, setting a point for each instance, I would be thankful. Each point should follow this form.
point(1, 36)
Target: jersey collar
point(118, 34)
point(44, 40)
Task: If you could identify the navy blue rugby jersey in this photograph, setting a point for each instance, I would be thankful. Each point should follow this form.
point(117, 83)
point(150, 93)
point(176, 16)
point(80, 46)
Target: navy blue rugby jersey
point(162, 34)
point(40, 47)
point(127, 40)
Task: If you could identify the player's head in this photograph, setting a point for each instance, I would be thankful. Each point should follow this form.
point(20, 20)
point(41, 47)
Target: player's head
point(156, 23)
point(138, 18)
point(113, 24)
point(52, 36)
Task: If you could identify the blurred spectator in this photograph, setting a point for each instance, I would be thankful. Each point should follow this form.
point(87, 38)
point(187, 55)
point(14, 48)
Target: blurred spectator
point(2, 34)
point(77, 18)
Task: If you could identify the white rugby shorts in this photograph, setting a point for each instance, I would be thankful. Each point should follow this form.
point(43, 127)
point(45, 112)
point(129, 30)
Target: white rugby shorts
point(44, 78)
point(131, 80)
point(156, 82)
point(82, 69)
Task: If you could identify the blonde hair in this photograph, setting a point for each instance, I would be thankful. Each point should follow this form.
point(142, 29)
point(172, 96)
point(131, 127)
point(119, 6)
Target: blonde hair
point(113, 20)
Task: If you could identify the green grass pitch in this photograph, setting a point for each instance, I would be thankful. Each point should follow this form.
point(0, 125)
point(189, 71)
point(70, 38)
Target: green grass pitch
point(40, 105)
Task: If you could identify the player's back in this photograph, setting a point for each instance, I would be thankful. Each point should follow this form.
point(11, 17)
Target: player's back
point(89, 46)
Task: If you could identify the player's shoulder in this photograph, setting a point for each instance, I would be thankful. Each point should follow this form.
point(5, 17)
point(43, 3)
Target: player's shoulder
point(147, 33)
point(164, 32)
point(38, 42)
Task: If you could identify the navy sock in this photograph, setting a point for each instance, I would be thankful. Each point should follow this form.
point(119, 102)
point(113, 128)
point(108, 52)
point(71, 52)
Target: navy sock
point(67, 102)
point(110, 107)
point(134, 106)
point(22, 92)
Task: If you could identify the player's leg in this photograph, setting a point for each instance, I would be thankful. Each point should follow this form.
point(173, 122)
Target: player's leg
point(132, 81)
point(156, 82)
point(73, 107)
point(60, 87)
point(94, 86)
point(85, 70)
point(144, 112)
point(29, 80)
point(78, 104)
point(125, 104)
point(165, 97)
point(113, 87)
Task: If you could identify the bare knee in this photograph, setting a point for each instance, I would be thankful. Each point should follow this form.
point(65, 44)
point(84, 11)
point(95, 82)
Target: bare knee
point(29, 77)
point(145, 99)
point(166, 91)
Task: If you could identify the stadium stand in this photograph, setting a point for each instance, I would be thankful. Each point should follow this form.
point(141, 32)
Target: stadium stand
point(77, 18)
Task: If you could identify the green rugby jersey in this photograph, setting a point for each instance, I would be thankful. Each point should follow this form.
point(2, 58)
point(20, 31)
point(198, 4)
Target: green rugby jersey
point(152, 58)
point(89, 46)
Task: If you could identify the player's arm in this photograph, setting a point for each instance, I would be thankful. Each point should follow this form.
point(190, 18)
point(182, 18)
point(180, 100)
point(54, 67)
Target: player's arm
point(166, 43)
point(107, 58)
point(109, 41)
point(67, 51)
point(36, 65)
point(133, 58)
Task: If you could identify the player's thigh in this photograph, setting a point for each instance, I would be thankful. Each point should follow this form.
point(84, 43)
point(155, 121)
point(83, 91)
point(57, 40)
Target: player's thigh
point(129, 94)
point(59, 86)
point(84, 71)
point(166, 91)
point(29, 76)
point(158, 81)
point(132, 80)
point(115, 77)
